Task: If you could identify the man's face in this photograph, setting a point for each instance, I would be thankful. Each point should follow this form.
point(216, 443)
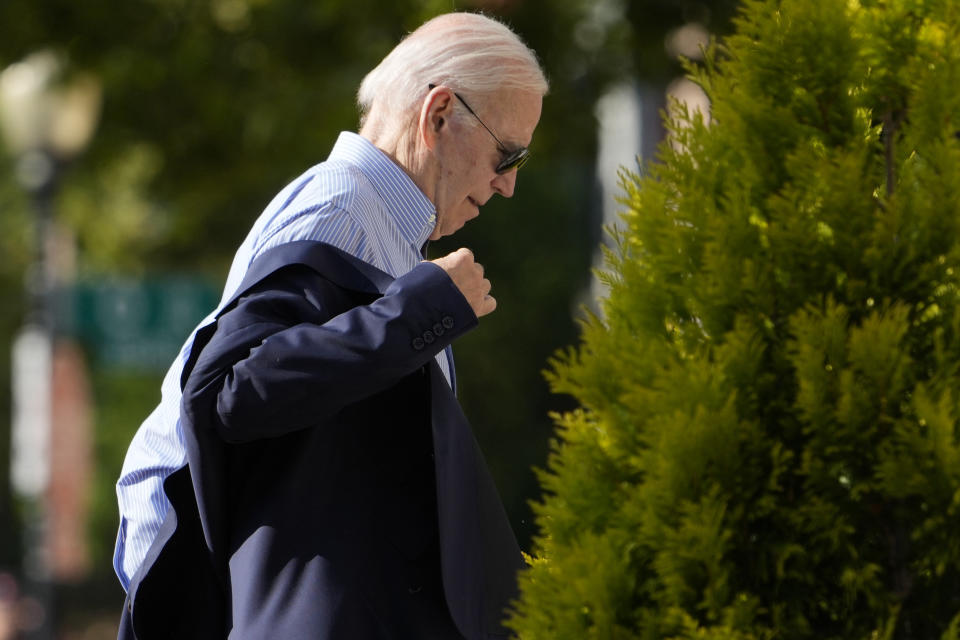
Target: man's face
point(467, 175)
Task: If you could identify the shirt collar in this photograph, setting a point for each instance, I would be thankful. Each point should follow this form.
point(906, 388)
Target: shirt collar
point(413, 212)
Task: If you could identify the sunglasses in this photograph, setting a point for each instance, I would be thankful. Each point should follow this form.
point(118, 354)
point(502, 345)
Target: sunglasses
point(511, 159)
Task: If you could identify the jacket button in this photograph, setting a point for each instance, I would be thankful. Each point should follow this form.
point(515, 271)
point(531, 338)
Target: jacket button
point(438, 329)
point(428, 336)
point(447, 322)
point(418, 343)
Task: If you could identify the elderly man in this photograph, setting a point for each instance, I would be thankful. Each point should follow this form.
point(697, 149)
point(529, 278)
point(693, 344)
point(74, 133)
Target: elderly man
point(308, 473)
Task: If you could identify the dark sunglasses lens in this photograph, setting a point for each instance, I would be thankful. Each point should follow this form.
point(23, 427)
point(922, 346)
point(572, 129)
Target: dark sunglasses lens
point(515, 160)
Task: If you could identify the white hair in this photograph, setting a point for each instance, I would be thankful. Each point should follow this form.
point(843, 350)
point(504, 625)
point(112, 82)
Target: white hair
point(464, 51)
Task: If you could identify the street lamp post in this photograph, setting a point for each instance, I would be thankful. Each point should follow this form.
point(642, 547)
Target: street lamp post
point(45, 122)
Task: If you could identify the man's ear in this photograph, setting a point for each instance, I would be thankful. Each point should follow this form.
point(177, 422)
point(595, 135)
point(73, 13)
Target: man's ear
point(434, 115)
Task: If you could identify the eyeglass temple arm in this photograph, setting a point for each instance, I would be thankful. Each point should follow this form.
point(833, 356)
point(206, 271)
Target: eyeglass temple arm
point(474, 114)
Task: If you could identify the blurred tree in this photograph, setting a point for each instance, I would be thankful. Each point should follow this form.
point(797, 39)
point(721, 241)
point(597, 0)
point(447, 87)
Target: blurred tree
point(767, 440)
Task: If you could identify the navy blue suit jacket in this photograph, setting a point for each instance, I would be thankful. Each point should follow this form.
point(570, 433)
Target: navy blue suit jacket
point(328, 466)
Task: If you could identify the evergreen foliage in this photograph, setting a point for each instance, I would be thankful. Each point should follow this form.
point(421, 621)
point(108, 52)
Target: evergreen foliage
point(767, 444)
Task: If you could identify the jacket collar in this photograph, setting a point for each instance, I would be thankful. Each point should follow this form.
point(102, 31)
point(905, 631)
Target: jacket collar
point(336, 265)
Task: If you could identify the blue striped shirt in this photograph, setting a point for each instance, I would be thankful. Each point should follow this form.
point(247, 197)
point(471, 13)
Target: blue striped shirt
point(358, 200)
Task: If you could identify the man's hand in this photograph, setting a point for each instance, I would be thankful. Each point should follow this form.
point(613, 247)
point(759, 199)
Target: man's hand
point(467, 274)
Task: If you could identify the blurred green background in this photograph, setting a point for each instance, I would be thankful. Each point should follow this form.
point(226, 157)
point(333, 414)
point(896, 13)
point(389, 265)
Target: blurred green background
point(211, 106)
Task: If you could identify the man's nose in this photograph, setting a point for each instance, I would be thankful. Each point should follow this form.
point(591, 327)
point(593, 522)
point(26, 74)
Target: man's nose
point(505, 183)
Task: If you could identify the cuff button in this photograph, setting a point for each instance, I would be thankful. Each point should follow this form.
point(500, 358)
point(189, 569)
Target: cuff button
point(418, 343)
point(447, 322)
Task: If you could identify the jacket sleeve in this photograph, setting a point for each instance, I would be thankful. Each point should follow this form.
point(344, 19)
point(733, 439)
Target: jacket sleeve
point(296, 349)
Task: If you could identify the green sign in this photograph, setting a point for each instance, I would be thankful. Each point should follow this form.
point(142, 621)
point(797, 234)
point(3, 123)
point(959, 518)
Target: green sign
point(136, 323)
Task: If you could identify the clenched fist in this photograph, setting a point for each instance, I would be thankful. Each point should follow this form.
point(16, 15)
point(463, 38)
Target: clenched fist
point(467, 274)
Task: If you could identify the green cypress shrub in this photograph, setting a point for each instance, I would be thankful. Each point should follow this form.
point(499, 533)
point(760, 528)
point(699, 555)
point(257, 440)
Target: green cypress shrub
point(767, 444)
